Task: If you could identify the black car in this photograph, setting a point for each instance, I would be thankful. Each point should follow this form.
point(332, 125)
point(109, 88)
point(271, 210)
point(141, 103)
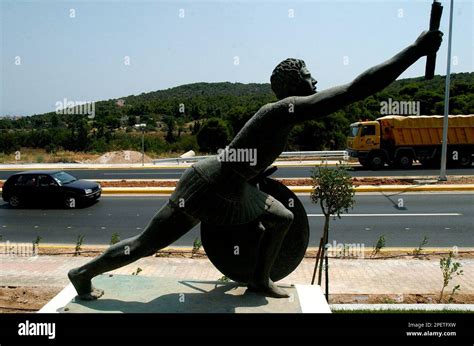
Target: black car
point(49, 186)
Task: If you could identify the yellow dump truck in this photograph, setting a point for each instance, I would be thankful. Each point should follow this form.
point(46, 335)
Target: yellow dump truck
point(399, 140)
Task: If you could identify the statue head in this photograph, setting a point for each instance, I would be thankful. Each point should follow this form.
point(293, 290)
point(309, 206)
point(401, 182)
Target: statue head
point(292, 78)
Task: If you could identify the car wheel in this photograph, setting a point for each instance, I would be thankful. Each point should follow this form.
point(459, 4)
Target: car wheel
point(70, 202)
point(14, 201)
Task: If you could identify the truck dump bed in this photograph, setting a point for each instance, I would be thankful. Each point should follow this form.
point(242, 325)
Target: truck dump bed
point(427, 129)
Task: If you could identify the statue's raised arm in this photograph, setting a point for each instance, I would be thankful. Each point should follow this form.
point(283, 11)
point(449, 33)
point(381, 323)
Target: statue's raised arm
point(369, 82)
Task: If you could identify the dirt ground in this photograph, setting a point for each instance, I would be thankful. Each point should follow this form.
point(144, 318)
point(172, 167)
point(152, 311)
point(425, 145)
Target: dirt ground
point(290, 182)
point(91, 251)
point(458, 298)
point(25, 299)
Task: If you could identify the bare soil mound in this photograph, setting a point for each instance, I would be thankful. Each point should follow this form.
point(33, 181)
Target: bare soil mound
point(122, 156)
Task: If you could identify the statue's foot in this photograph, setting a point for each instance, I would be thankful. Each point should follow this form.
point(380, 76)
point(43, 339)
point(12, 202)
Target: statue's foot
point(268, 289)
point(83, 286)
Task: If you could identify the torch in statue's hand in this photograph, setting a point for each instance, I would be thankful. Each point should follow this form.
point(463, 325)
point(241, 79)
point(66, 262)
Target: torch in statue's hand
point(429, 42)
point(435, 20)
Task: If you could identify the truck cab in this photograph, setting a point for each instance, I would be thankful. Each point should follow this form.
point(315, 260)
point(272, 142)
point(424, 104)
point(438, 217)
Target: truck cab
point(364, 138)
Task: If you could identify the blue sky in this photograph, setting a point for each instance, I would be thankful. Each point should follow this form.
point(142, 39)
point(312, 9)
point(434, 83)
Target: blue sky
point(84, 58)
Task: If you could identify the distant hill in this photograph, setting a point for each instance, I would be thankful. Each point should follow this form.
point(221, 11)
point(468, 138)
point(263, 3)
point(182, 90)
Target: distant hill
point(206, 89)
point(178, 113)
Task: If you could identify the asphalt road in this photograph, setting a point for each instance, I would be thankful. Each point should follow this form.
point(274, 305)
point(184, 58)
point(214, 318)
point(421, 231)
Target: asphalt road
point(282, 172)
point(446, 219)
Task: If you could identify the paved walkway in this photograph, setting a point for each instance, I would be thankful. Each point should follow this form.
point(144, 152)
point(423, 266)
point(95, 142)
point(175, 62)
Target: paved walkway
point(392, 276)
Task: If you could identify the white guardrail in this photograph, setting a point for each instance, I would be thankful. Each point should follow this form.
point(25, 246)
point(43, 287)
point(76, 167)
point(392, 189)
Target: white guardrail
point(336, 154)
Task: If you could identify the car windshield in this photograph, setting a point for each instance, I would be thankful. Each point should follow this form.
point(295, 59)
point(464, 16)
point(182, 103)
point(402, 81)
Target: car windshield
point(63, 178)
point(354, 131)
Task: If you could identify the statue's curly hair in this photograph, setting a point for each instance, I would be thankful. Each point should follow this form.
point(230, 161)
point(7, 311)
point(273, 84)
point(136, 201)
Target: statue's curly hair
point(286, 76)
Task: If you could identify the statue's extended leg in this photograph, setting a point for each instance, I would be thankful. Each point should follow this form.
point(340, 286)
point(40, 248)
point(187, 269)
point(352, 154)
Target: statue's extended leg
point(168, 225)
point(277, 221)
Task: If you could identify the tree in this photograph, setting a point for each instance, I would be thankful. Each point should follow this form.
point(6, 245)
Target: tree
point(409, 89)
point(214, 134)
point(196, 127)
point(170, 123)
point(180, 122)
point(449, 268)
point(428, 99)
point(54, 120)
point(333, 190)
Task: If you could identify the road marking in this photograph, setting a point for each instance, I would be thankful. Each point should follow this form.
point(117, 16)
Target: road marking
point(146, 173)
point(381, 215)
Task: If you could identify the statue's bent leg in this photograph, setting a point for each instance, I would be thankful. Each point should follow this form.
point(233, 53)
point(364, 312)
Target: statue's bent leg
point(276, 221)
point(168, 225)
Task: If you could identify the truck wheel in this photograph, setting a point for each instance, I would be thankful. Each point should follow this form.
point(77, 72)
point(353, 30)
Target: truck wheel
point(404, 161)
point(376, 162)
point(465, 159)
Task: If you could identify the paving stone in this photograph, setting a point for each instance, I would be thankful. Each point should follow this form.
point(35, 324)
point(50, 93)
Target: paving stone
point(392, 276)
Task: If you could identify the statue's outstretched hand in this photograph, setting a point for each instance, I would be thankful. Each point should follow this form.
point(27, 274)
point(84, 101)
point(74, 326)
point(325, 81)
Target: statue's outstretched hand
point(429, 42)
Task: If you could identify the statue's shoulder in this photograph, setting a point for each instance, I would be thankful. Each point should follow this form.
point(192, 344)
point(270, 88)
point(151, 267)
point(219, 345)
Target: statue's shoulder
point(276, 113)
point(278, 106)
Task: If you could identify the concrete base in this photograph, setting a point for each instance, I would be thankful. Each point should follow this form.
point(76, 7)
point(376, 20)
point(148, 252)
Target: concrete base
point(141, 294)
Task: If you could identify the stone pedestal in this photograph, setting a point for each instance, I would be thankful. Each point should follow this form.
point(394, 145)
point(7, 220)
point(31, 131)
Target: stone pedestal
point(141, 294)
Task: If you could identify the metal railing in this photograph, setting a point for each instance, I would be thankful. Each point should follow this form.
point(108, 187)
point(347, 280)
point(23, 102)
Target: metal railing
point(335, 154)
point(319, 154)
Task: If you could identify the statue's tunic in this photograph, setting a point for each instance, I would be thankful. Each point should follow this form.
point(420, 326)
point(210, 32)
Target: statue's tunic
point(216, 190)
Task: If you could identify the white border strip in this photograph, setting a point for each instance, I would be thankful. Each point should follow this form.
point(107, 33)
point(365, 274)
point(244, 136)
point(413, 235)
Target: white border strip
point(59, 301)
point(312, 299)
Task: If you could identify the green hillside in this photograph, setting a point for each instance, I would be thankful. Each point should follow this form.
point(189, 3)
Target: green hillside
point(204, 116)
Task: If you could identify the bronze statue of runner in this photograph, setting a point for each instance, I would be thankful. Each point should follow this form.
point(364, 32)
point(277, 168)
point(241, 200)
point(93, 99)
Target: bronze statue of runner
point(217, 190)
